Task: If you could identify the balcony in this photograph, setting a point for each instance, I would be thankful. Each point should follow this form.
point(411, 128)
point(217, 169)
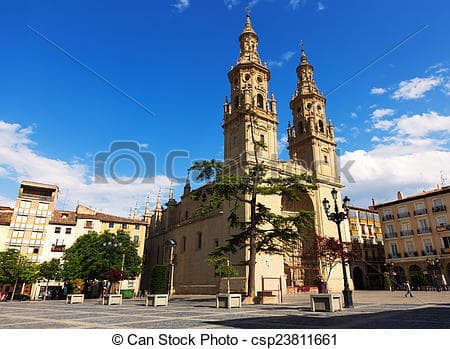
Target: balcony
point(388, 217)
point(58, 248)
point(393, 255)
point(428, 253)
point(411, 254)
point(443, 228)
point(440, 208)
point(426, 230)
point(406, 233)
point(420, 211)
point(390, 235)
point(445, 250)
point(403, 215)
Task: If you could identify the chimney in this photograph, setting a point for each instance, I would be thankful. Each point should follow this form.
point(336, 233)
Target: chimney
point(399, 195)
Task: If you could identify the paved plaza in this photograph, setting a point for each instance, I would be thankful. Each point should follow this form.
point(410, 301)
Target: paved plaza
point(373, 309)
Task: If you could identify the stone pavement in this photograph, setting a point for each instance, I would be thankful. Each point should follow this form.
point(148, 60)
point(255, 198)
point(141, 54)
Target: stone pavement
point(373, 309)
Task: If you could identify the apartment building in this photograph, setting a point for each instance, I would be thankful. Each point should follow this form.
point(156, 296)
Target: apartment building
point(417, 237)
point(368, 246)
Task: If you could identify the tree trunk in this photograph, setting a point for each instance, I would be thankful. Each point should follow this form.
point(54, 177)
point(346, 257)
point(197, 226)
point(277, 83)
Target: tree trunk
point(14, 289)
point(46, 290)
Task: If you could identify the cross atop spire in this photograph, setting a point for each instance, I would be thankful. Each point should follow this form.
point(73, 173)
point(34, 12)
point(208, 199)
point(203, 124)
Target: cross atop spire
point(248, 11)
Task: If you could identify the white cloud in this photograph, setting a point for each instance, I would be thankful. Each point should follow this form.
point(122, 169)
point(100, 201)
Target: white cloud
point(340, 139)
point(282, 144)
point(320, 6)
point(20, 161)
point(422, 125)
point(285, 57)
point(294, 4)
point(353, 115)
point(379, 113)
point(447, 88)
point(416, 88)
point(181, 5)
point(383, 124)
point(409, 159)
point(377, 91)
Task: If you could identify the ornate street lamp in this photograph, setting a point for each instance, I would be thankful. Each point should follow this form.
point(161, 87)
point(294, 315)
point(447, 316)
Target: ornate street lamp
point(337, 217)
point(434, 264)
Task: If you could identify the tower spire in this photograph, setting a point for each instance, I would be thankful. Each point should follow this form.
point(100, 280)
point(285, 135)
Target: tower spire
point(249, 43)
point(135, 213)
point(171, 191)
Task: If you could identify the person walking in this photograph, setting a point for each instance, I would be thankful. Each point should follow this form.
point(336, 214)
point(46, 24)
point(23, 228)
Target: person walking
point(408, 289)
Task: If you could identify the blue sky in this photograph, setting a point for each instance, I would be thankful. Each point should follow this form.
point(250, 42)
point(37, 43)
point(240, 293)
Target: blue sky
point(392, 119)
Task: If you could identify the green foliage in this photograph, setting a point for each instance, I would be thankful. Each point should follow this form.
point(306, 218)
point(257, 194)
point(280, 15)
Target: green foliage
point(387, 281)
point(222, 266)
point(160, 279)
point(273, 233)
point(50, 270)
point(15, 268)
point(76, 285)
point(93, 255)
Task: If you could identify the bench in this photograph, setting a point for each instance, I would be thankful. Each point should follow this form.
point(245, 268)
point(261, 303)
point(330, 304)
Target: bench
point(112, 299)
point(228, 300)
point(157, 299)
point(326, 302)
point(75, 298)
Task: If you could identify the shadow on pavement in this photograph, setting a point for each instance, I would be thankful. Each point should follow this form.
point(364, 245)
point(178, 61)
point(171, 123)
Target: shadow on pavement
point(437, 317)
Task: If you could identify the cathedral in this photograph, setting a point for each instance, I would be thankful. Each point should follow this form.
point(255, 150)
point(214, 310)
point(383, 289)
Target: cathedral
point(181, 238)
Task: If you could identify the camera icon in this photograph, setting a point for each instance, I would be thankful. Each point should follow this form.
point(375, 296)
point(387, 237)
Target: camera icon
point(107, 164)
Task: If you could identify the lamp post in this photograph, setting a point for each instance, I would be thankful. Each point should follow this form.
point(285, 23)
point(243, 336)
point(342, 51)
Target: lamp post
point(172, 243)
point(337, 217)
point(389, 267)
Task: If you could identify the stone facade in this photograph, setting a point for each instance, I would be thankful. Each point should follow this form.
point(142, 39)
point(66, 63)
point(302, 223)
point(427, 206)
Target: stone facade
point(312, 151)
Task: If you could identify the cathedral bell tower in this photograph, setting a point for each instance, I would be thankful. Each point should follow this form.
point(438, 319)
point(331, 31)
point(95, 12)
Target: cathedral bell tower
point(250, 104)
point(310, 138)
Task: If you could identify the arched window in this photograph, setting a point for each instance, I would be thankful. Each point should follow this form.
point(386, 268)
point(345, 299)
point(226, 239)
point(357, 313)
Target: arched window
point(321, 129)
point(236, 102)
point(260, 101)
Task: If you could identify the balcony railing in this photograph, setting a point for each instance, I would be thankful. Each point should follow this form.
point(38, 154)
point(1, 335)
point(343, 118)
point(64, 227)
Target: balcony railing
point(406, 233)
point(58, 248)
point(442, 228)
point(420, 211)
point(393, 255)
point(445, 250)
point(411, 254)
point(390, 235)
point(428, 253)
point(426, 230)
point(439, 208)
point(403, 214)
point(388, 217)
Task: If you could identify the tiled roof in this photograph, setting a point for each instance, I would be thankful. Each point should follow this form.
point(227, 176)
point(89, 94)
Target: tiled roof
point(109, 218)
point(423, 194)
point(5, 215)
point(58, 217)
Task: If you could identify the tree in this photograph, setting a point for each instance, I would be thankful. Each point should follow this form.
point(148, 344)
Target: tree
point(15, 269)
point(264, 231)
point(222, 268)
point(93, 255)
point(329, 251)
point(50, 270)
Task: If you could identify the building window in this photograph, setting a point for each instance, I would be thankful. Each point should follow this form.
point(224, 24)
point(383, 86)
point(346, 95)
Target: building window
point(64, 215)
point(394, 250)
point(427, 247)
point(260, 101)
point(43, 206)
point(136, 239)
point(184, 244)
point(111, 225)
point(441, 220)
point(36, 235)
point(68, 230)
point(21, 219)
point(446, 241)
point(89, 224)
point(39, 220)
point(325, 159)
point(57, 230)
point(25, 204)
point(321, 129)
point(216, 243)
point(124, 226)
point(199, 240)
point(137, 227)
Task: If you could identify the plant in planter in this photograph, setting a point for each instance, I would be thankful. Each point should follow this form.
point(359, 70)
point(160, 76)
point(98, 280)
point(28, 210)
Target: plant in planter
point(222, 268)
point(160, 279)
